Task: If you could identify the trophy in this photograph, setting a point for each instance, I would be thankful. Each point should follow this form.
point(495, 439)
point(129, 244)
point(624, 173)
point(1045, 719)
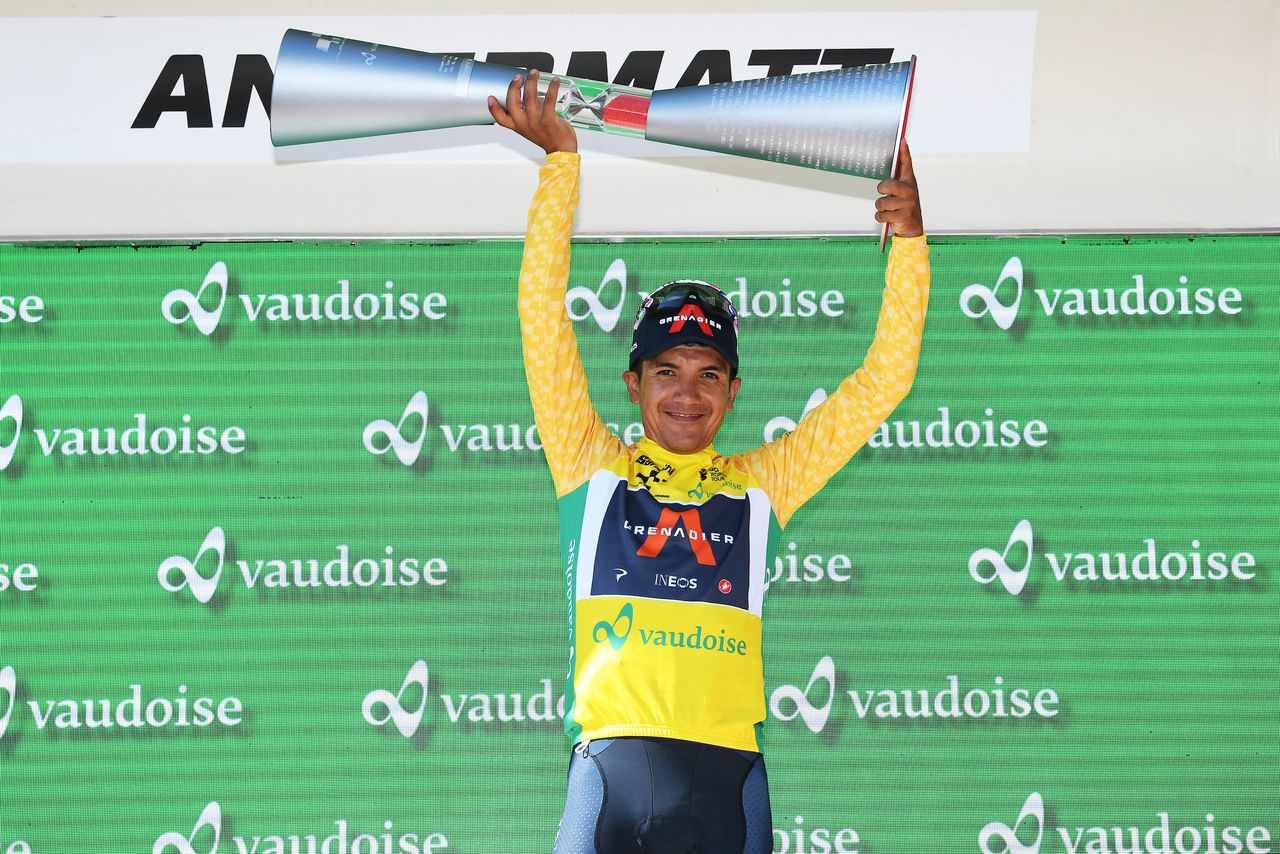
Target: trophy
point(848, 120)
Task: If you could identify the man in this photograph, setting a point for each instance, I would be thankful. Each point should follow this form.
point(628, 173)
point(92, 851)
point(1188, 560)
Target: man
point(666, 542)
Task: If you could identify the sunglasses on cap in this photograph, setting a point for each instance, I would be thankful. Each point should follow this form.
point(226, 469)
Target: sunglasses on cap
point(672, 295)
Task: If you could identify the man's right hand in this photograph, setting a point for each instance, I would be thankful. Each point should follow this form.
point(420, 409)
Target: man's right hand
point(535, 118)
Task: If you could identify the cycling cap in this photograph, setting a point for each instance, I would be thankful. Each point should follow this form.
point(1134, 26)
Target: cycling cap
point(685, 312)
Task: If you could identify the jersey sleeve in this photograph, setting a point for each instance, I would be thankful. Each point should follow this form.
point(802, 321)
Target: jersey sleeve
point(794, 467)
point(574, 438)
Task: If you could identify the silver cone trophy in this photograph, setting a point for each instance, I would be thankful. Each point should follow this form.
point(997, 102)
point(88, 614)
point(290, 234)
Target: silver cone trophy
point(848, 120)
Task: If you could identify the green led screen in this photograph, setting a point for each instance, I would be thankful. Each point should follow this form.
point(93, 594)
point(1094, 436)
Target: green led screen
point(279, 568)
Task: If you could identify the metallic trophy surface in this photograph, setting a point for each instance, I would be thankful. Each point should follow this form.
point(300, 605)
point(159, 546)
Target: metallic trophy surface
point(847, 120)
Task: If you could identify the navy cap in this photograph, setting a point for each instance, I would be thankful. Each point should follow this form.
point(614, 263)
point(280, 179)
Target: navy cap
point(686, 311)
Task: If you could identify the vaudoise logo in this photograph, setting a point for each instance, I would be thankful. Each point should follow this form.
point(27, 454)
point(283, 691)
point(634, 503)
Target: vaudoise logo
point(605, 316)
point(202, 587)
point(1149, 562)
point(601, 306)
point(381, 435)
point(10, 411)
point(406, 437)
point(945, 431)
point(206, 307)
point(406, 707)
point(815, 703)
point(1135, 298)
point(1165, 835)
point(143, 437)
point(181, 305)
point(616, 632)
point(381, 700)
point(8, 697)
point(338, 569)
point(340, 837)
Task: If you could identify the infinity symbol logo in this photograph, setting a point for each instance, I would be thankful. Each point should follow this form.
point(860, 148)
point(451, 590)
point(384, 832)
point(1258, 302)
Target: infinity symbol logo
point(1002, 314)
point(211, 817)
point(604, 630)
point(815, 718)
point(406, 722)
point(12, 409)
point(406, 451)
point(205, 321)
point(1013, 580)
point(8, 687)
point(202, 588)
point(782, 424)
point(1033, 808)
point(606, 317)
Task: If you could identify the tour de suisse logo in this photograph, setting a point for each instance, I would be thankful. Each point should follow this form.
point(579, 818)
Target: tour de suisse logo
point(1134, 297)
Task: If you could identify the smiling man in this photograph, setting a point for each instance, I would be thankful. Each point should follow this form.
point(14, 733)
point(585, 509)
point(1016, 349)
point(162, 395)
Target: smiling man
point(666, 542)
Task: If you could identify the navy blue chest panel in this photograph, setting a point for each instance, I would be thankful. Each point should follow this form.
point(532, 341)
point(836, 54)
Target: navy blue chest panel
point(681, 552)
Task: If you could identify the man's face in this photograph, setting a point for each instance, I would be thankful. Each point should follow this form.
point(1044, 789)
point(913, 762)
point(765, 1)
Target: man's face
point(683, 395)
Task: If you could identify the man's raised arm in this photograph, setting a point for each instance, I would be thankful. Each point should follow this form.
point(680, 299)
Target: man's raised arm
point(796, 466)
point(574, 438)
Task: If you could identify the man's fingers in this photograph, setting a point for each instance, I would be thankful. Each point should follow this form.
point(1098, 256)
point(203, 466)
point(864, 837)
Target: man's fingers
point(905, 171)
point(893, 203)
point(530, 97)
point(553, 95)
point(501, 116)
point(905, 189)
point(513, 97)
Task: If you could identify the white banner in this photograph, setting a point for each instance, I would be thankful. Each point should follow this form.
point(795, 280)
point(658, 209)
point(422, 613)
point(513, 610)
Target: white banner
point(191, 90)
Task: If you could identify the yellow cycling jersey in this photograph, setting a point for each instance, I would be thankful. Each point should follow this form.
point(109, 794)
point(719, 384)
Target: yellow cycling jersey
point(666, 555)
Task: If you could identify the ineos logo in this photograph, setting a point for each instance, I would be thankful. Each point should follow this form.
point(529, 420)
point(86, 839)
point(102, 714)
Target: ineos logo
point(206, 321)
point(815, 717)
point(211, 816)
point(406, 450)
point(606, 317)
point(201, 587)
point(1004, 314)
point(1033, 808)
point(406, 722)
point(12, 409)
point(1012, 579)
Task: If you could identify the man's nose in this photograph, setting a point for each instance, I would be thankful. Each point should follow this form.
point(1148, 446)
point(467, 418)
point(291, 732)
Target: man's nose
point(687, 385)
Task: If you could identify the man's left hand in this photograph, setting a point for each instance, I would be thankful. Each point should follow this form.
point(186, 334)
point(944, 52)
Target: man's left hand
point(900, 203)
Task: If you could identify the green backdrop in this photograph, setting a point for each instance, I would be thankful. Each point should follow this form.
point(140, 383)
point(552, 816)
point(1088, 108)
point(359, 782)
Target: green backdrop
point(323, 612)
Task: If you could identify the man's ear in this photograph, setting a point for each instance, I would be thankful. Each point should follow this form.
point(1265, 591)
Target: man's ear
point(734, 385)
point(632, 379)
